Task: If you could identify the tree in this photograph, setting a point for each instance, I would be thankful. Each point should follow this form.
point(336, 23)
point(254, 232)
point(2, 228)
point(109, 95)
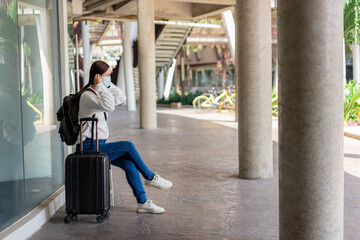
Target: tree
point(8, 36)
point(351, 21)
point(352, 34)
point(225, 65)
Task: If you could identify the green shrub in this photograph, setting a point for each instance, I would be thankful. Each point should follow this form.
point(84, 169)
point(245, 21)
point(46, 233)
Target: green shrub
point(351, 101)
point(275, 101)
point(35, 98)
point(186, 99)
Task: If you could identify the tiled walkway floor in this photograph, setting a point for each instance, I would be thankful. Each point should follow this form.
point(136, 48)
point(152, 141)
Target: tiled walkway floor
point(207, 200)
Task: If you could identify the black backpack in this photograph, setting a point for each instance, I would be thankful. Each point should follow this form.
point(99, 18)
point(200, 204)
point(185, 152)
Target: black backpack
point(68, 115)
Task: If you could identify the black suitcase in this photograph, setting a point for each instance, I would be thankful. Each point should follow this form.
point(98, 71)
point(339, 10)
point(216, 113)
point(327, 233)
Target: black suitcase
point(87, 184)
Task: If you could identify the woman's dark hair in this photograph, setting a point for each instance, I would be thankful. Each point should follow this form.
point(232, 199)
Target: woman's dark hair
point(98, 67)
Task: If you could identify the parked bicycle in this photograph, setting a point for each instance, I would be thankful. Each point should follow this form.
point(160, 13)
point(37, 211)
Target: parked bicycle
point(211, 100)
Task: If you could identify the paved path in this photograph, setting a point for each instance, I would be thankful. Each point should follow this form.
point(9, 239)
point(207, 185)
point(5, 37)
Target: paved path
point(198, 152)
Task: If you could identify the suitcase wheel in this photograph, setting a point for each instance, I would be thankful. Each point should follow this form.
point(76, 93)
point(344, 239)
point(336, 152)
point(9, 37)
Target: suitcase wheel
point(108, 214)
point(100, 219)
point(68, 219)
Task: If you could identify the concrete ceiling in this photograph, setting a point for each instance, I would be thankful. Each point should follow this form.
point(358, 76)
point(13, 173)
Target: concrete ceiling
point(164, 9)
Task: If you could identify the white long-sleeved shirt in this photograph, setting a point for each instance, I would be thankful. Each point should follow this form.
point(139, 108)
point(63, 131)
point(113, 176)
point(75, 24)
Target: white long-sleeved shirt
point(105, 100)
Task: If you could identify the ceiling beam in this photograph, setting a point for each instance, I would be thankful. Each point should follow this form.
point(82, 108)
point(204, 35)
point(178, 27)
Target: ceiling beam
point(200, 10)
point(119, 5)
point(109, 17)
point(219, 2)
point(172, 10)
point(89, 2)
point(101, 5)
point(125, 8)
point(164, 9)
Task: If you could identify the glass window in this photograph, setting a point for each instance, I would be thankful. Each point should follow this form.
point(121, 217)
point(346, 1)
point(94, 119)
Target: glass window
point(42, 146)
point(11, 152)
point(31, 162)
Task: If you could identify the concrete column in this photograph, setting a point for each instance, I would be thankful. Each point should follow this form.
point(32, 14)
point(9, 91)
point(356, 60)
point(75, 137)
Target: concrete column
point(190, 83)
point(188, 70)
point(161, 84)
point(176, 80)
point(254, 87)
point(183, 85)
point(311, 174)
point(121, 75)
point(356, 62)
point(64, 71)
point(276, 85)
point(102, 53)
point(128, 67)
point(86, 50)
point(133, 30)
point(77, 63)
point(43, 29)
point(169, 77)
point(92, 51)
point(22, 57)
point(146, 46)
point(344, 64)
point(64, 54)
point(196, 78)
point(236, 73)
point(229, 23)
point(202, 76)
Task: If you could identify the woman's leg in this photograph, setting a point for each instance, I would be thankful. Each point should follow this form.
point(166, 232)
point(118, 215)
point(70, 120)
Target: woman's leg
point(124, 155)
point(126, 150)
point(132, 177)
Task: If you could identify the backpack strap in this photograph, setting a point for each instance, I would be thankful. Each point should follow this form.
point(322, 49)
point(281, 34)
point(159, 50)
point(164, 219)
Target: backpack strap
point(91, 90)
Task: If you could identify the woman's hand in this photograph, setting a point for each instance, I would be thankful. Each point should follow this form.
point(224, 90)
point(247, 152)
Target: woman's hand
point(98, 79)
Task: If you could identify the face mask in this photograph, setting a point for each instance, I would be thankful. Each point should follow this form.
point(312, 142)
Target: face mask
point(107, 81)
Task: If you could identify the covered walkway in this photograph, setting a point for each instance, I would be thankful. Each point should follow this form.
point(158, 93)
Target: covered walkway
point(198, 152)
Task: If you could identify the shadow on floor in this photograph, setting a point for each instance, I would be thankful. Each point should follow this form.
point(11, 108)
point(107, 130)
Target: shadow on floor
point(207, 200)
point(349, 155)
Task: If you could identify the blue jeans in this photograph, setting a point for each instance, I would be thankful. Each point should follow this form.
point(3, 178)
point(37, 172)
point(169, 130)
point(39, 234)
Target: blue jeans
point(123, 154)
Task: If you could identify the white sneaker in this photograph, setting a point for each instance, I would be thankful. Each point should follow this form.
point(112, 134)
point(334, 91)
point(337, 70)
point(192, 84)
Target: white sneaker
point(158, 182)
point(149, 207)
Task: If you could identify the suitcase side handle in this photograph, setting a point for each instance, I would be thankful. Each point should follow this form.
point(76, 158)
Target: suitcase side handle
point(92, 119)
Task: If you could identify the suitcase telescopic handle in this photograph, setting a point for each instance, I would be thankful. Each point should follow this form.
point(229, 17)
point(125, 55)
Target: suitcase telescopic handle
point(92, 130)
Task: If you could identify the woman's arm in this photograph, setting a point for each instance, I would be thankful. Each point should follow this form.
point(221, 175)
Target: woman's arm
point(118, 94)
